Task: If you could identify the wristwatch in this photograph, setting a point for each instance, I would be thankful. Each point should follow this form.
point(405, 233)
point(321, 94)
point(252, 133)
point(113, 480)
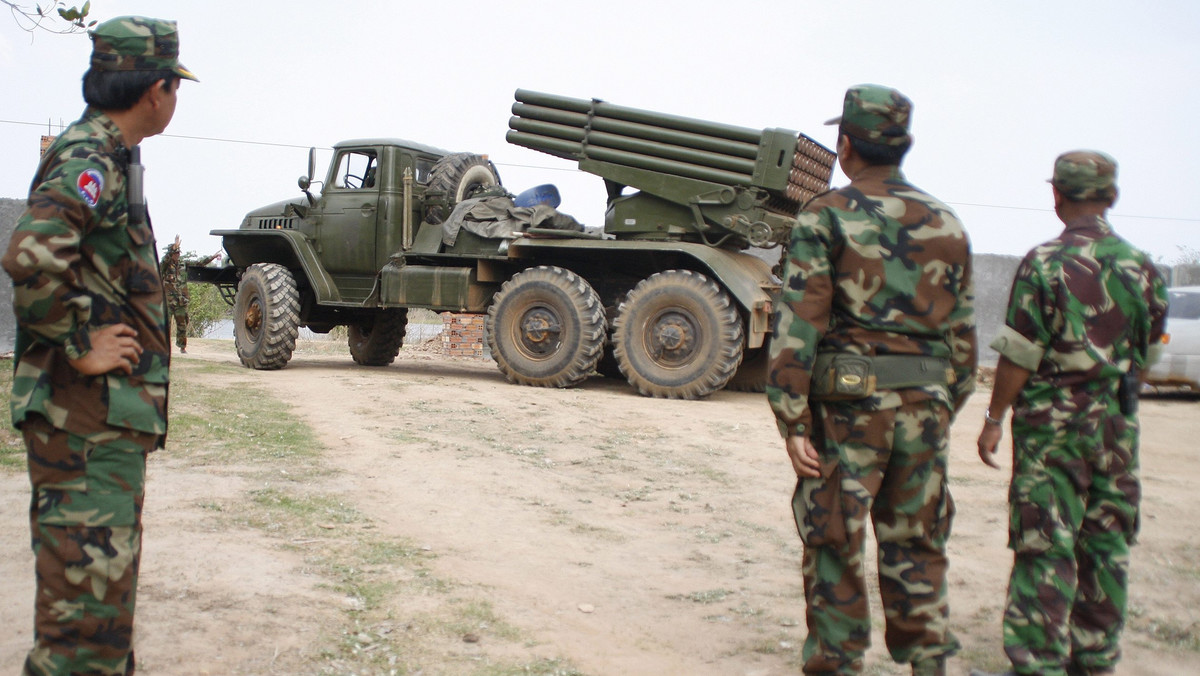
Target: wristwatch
point(989, 420)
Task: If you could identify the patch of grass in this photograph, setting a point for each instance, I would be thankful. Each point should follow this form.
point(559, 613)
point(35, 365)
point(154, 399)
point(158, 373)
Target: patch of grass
point(477, 617)
point(1171, 633)
point(238, 424)
point(542, 667)
point(703, 597)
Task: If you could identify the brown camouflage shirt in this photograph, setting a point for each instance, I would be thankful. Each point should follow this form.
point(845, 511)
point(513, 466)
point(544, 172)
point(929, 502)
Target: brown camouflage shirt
point(877, 267)
point(77, 264)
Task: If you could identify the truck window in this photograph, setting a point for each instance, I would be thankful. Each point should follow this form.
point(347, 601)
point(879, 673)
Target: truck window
point(356, 170)
point(424, 168)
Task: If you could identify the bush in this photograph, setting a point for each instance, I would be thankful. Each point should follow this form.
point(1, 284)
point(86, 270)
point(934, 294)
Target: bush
point(206, 307)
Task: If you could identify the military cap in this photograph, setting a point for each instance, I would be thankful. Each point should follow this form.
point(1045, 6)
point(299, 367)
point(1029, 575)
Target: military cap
point(1085, 175)
point(876, 114)
point(137, 43)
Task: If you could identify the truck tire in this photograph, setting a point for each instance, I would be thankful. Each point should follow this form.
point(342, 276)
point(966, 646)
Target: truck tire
point(678, 335)
point(458, 175)
point(545, 328)
point(378, 343)
point(751, 376)
point(266, 316)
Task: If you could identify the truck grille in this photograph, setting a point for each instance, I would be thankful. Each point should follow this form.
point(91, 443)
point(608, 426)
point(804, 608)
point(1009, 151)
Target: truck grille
point(276, 223)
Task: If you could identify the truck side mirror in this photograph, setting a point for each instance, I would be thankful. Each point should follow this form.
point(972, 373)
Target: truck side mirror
point(305, 181)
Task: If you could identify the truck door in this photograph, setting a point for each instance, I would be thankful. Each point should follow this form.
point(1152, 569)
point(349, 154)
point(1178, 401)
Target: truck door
point(347, 234)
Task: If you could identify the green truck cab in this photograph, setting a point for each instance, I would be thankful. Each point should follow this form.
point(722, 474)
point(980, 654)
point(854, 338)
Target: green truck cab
point(665, 296)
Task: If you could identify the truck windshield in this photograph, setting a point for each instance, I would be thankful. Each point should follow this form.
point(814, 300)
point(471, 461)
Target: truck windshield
point(355, 170)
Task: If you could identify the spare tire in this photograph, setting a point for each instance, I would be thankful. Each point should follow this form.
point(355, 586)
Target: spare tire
point(459, 176)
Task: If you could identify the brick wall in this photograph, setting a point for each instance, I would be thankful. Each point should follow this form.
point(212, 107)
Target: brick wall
point(462, 336)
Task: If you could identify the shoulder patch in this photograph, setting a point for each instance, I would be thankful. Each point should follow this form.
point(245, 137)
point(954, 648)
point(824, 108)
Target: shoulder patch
point(90, 184)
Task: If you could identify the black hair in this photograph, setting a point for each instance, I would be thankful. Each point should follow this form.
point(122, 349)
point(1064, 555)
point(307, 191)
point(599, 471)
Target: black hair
point(121, 89)
point(878, 153)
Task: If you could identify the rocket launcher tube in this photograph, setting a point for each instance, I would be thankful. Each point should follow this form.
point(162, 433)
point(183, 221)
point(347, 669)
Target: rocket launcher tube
point(635, 145)
point(597, 108)
point(635, 130)
point(572, 150)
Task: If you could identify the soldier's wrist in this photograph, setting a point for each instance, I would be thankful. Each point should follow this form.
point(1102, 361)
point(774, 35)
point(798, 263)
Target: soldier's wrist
point(989, 420)
point(78, 345)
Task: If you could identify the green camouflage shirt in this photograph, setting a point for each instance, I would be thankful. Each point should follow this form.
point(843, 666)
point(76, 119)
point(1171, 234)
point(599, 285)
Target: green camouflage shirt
point(877, 267)
point(77, 263)
point(1085, 308)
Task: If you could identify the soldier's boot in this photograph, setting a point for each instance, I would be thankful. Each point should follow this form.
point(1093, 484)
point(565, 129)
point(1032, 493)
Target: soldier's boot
point(930, 667)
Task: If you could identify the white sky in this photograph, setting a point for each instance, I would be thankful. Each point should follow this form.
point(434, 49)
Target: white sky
point(999, 89)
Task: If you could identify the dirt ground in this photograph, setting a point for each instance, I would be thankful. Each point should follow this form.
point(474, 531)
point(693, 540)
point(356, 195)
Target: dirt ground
point(605, 532)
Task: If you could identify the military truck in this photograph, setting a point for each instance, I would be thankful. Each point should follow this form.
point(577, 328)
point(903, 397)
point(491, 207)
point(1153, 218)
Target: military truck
point(665, 295)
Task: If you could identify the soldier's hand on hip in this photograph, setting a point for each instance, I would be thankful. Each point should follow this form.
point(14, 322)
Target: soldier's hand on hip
point(114, 348)
point(803, 455)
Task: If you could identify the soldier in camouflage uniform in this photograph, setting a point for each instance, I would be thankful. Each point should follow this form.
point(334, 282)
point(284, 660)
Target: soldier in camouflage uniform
point(173, 270)
point(1086, 313)
point(877, 278)
point(90, 386)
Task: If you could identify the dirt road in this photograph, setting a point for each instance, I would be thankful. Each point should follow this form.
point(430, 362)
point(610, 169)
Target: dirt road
point(569, 531)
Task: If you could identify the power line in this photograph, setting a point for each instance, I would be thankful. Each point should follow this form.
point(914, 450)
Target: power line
point(544, 168)
point(1115, 215)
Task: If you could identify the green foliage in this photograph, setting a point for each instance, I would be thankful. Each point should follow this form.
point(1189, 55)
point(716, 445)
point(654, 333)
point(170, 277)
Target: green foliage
point(205, 309)
point(206, 306)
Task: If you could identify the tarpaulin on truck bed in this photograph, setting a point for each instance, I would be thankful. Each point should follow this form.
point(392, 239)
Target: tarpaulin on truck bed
point(497, 216)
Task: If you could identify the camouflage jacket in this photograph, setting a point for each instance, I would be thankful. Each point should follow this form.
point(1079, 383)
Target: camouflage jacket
point(78, 263)
point(1085, 308)
point(877, 267)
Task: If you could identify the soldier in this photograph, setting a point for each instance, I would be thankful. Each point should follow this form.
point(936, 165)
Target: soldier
point(1084, 321)
point(873, 353)
point(90, 385)
point(174, 275)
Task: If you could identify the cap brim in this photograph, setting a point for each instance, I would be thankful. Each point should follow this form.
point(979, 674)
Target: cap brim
point(184, 73)
point(836, 120)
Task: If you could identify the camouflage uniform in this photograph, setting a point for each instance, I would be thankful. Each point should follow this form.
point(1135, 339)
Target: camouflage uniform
point(875, 268)
point(173, 270)
point(80, 262)
point(1086, 307)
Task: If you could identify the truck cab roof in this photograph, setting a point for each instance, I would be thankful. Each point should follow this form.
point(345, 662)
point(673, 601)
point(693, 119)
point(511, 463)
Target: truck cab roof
point(399, 142)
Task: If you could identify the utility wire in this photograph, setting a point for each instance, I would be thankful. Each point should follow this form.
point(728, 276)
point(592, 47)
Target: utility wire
point(543, 168)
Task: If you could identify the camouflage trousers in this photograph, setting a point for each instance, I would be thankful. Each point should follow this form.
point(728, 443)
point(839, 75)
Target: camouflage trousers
point(181, 326)
point(887, 467)
point(85, 519)
point(1073, 516)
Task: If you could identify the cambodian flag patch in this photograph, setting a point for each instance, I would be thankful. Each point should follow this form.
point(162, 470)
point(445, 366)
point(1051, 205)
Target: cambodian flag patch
point(90, 183)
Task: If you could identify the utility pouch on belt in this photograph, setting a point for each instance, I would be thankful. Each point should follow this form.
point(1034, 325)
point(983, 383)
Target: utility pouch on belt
point(841, 376)
point(1127, 393)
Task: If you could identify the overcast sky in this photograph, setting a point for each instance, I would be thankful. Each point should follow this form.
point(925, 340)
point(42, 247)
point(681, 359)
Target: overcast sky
point(999, 90)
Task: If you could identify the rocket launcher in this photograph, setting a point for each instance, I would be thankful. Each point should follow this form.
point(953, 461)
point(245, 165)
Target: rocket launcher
point(695, 180)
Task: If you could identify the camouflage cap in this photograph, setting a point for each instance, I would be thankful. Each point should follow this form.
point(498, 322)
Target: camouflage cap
point(137, 43)
point(1085, 175)
point(876, 114)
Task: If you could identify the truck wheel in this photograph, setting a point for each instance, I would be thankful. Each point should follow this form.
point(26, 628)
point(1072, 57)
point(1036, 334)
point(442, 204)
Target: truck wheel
point(266, 316)
point(378, 343)
point(459, 176)
point(751, 376)
point(677, 335)
point(546, 328)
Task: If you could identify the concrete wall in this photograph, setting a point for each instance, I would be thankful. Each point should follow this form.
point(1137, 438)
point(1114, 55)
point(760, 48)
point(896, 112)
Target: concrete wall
point(10, 211)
